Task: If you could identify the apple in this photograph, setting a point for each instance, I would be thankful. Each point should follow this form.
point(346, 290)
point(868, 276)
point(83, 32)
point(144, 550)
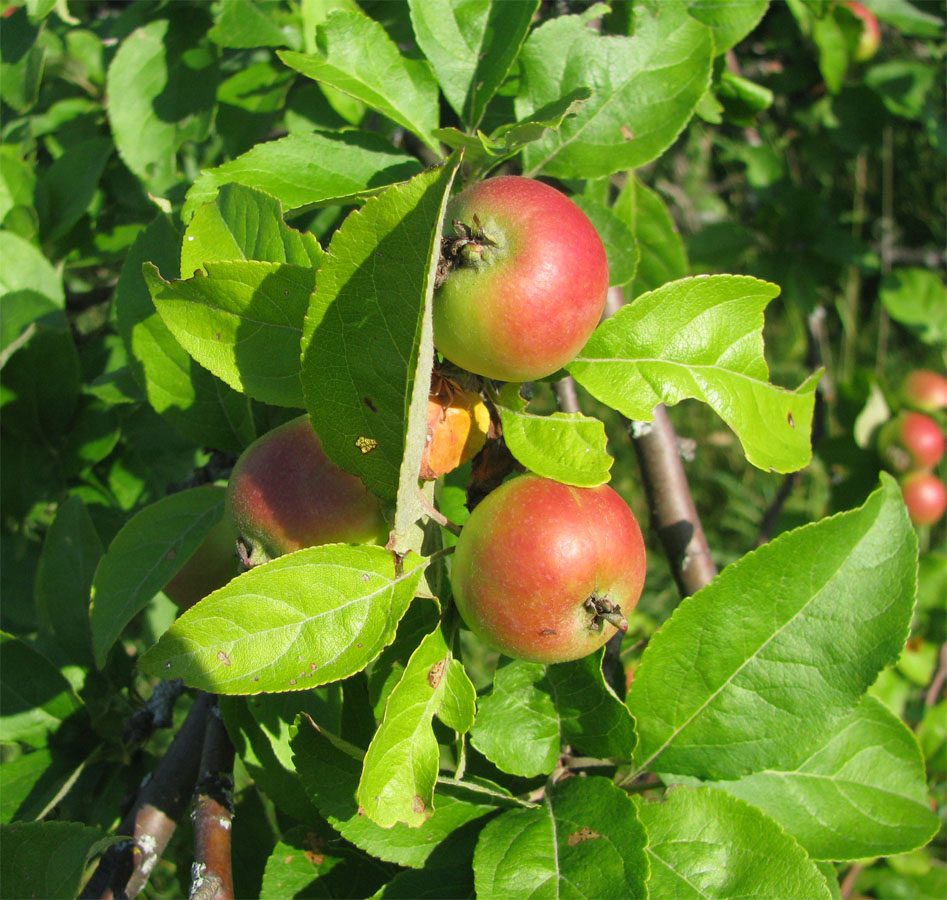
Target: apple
point(925, 497)
point(285, 494)
point(870, 38)
point(912, 440)
point(925, 390)
point(544, 571)
point(457, 426)
point(211, 566)
point(524, 280)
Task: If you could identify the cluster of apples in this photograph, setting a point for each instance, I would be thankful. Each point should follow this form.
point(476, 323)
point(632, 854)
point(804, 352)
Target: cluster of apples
point(912, 443)
point(542, 570)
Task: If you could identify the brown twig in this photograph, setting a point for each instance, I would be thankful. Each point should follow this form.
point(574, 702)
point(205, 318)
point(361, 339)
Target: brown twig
point(212, 872)
point(940, 677)
point(156, 712)
point(161, 801)
point(848, 883)
point(673, 514)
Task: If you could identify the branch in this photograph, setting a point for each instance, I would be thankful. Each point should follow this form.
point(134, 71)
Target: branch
point(673, 514)
point(161, 801)
point(212, 872)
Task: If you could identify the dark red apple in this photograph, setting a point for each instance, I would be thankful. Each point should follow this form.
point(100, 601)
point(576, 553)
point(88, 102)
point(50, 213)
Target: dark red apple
point(285, 494)
point(870, 38)
point(925, 390)
point(211, 566)
point(912, 440)
point(925, 497)
point(526, 283)
point(544, 571)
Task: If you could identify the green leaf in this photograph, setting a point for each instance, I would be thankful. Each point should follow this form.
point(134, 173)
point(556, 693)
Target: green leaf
point(859, 792)
point(701, 337)
point(584, 841)
point(22, 60)
point(567, 447)
point(517, 726)
point(916, 298)
point(28, 784)
point(294, 864)
point(645, 88)
point(400, 768)
point(304, 619)
point(753, 670)
point(261, 729)
point(619, 240)
point(244, 223)
point(471, 47)
point(17, 179)
point(242, 24)
point(482, 153)
point(447, 873)
point(903, 85)
point(907, 18)
point(69, 185)
point(25, 268)
point(71, 551)
point(187, 395)
point(373, 292)
point(730, 20)
point(704, 843)
point(533, 709)
point(243, 321)
point(330, 771)
point(35, 697)
point(145, 555)
point(41, 381)
point(357, 57)
point(166, 78)
point(46, 860)
point(458, 708)
point(304, 171)
point(662, 257)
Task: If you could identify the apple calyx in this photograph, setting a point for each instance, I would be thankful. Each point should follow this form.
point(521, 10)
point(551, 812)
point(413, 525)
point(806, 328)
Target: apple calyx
point(473, 247)
point(603, 610)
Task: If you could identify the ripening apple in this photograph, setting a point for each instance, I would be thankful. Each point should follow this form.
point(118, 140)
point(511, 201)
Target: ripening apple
point(925, 497)
point(211, 566)
point(285, 494)
point(870, 38)
point(457, 426)
point(912, 440)
point(544, 571)
point(526, 280)
point(925, 390)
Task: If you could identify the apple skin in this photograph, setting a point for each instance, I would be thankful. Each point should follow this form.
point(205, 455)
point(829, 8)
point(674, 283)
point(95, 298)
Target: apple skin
point(870, 39)
point(925, 497)
point(531, 555)
point(212, 565)
point(912, 440)
point(528, 293)
point(285, 494)
point(925, 390)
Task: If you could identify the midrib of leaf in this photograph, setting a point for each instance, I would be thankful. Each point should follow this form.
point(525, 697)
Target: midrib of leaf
point(841, 782)
point(677, 874)
point(694, 367)
point(641, 70)
point(740, 668)
point(555, 840)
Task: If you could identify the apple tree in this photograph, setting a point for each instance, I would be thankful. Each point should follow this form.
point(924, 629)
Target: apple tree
point(293, 290)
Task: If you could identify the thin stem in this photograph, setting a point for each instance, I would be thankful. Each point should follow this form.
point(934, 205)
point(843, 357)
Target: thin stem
point(887, 239)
